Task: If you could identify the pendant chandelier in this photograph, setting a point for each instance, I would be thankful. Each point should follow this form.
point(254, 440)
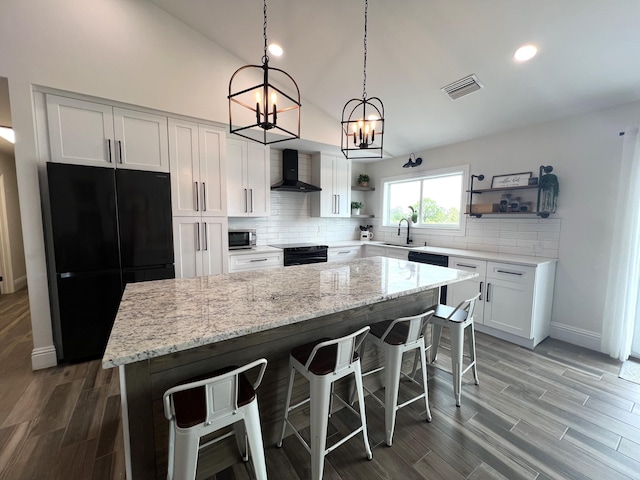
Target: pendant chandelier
point(363, 119)
point(264, 112)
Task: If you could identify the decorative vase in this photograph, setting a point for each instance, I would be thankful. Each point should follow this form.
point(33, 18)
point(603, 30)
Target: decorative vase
point(355, 211)
point(364, 184)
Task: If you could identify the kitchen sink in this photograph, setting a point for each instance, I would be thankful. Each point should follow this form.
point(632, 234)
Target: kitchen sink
point(400, 245)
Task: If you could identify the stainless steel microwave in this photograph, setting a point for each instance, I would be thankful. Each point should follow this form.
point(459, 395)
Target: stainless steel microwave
point(242, 238)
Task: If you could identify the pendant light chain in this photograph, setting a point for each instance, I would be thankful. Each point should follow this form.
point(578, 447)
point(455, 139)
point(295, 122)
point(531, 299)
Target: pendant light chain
point(264, 113)
point(364, 81)
point(265, 58)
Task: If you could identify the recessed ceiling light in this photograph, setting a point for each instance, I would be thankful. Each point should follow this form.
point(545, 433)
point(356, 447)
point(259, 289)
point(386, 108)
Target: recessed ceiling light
point(524, 53)
point(275, 50)
point(8, 134)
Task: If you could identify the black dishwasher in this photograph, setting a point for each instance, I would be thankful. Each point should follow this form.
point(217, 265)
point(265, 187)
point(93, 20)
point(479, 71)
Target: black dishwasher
point(432, 259)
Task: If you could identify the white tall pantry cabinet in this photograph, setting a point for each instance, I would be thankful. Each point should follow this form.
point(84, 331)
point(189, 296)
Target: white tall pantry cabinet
point(332, 173)
point(100, 135)
point(248, 175)
point(198, 190)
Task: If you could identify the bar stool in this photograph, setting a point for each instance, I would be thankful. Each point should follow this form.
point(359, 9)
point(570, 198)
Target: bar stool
point(458, 320)
point(205, 405)
point(322, 363)
point(395, 337)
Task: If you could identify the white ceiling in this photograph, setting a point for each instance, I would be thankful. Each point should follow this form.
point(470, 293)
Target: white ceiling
point(587, 57)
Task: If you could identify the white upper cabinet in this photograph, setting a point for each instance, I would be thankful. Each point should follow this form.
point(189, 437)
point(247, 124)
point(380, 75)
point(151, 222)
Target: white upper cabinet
point(248, 177)
point(198, 169)
point(88, 133)
point(332, 173)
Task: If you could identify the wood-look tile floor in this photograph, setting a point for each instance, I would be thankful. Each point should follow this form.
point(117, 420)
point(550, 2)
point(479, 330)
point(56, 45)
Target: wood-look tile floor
point(559, 412)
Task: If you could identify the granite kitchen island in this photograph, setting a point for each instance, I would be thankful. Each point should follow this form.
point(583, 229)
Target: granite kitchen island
point(169, 330)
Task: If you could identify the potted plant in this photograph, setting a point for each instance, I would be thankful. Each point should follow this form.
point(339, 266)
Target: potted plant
point(363, 180)
point(414, 215)
point(355, 208)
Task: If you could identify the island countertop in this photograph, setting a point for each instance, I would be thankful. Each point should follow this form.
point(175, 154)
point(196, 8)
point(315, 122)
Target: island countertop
point(166, 316)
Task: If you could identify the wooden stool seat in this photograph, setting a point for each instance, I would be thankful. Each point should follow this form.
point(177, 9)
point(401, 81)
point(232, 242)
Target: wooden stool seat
point(205, 404)
point(190, 406)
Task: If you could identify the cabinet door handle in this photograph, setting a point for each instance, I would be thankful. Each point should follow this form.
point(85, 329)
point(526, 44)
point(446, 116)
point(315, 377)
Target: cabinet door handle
point(488, 291)
point(246, 209)
point(205, 238)
point(204, 198)
point(120, 150)
point(251, 199)
point(465, 265)
point(109, 147)
point(197, 236)
point(258, 260)
point(197, 197)
point(338, 204)
point(481, 285)
point(510, 273)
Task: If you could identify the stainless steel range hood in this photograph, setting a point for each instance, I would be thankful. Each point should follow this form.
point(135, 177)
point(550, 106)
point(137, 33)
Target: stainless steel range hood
point(290, 182)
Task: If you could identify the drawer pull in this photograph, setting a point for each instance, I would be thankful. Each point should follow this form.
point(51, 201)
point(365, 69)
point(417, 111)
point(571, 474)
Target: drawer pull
point(346, 251)
point(481, 285)
point(465, 265)
point(258, 260)
point(510, 273)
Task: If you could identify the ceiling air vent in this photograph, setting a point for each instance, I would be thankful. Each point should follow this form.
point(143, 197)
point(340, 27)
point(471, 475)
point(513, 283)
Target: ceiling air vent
point(462, 87)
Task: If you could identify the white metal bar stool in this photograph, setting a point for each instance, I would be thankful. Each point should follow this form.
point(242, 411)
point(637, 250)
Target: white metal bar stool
point(395, 337)
point(458, 320)
point(322, 363)
point(203, 406)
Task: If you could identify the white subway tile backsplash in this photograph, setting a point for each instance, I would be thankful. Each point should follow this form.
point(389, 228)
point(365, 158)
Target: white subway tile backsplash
point(290, 222)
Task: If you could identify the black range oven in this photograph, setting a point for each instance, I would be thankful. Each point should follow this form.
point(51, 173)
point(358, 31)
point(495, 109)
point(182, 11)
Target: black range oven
point(303, 253)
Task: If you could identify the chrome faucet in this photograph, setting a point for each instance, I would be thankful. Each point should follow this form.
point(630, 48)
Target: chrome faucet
point(408, 228)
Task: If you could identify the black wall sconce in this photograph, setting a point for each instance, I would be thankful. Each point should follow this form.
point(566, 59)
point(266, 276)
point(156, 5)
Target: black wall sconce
point(412, 163)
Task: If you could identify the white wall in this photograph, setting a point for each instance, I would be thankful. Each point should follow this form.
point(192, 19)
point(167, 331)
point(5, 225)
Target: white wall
point(17, 261)
point(585, 152)
point(125, 50)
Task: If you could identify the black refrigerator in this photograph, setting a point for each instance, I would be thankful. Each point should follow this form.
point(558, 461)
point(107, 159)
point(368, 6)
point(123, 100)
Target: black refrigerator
point(108, 228)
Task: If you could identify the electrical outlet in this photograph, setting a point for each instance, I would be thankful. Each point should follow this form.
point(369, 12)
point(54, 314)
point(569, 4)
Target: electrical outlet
point(537, 247)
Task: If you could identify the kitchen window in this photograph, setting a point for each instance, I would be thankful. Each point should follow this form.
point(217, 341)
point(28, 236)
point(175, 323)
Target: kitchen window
point(434, 200)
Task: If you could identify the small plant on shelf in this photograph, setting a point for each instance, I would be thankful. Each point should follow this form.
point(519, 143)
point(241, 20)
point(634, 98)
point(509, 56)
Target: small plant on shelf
point(355, 208)
point(363, 180)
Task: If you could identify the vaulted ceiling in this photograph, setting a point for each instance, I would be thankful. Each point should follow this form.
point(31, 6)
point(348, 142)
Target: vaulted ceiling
point(586, 57)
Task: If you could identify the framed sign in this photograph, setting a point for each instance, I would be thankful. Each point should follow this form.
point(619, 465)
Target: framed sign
point(511, 180)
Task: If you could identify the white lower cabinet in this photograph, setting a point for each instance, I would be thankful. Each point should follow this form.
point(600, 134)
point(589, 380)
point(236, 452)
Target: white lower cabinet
point(200, 246)
point(374, 251)
point(461, 291)
point(515, 301)
point(242, 262)
point(338, 254)
point(379, 250)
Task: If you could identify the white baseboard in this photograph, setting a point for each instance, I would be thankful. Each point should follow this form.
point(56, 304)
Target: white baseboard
point(43, 357)
point(576, 336)
point(20, 283)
